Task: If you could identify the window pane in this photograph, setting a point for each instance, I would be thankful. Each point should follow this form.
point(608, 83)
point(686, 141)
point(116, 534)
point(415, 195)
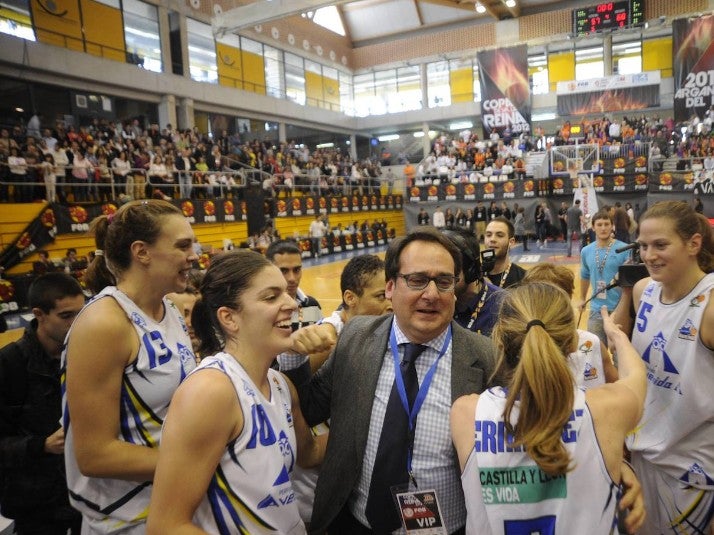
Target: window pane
point(294, 78)
point(141, 33)
point(439, 91)
point(201, 52)
point(274, 72)
point(409, 88)
point(346, 94)
point(385, 90)
point(364, 93)
point(15, 19)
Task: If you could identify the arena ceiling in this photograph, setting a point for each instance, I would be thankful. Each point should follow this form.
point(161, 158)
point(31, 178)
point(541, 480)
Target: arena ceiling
point(368, 22)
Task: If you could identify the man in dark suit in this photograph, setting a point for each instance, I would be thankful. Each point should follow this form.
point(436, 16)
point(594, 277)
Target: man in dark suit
point(352, 494)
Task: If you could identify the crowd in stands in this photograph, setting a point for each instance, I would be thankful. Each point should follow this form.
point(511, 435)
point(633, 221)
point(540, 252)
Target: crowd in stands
point(124, 161)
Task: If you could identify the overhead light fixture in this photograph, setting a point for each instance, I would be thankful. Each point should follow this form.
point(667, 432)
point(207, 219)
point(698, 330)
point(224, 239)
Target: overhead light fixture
point(480, 8)
point(389, 137)
point(418, 134)
point(324, 145)
point(510, 3)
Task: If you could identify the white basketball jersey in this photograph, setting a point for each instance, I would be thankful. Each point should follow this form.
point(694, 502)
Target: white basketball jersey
point(586, 361)
point(250, 491)
point(506, 492)
point(164, 359)
point(676, 432)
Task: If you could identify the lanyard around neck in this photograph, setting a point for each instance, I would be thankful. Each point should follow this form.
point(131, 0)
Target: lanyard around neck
point(421, 395)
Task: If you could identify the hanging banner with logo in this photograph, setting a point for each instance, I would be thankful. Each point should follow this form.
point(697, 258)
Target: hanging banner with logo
point(693, 59)
point(505, 91)
point(39, 232)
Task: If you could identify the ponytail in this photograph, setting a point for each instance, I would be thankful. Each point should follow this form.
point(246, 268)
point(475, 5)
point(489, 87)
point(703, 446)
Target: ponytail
point(534, 334)
point(98, 275)
point(205, 330)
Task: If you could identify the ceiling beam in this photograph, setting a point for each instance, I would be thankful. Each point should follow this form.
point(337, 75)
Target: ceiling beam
point(343, 19)
point(264, 11)
point(468, 6)
point(514, 11)
point(490, 9)
point(418, 13)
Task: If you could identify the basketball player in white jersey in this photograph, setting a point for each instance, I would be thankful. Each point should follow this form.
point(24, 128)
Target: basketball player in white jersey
point(126, 353)
point(234, 431)
point(529, 452)
point(673, 444)
point(591, 363)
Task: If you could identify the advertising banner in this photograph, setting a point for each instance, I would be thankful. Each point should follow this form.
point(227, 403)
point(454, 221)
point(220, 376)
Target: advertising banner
point(693, 60)
point(505, 91)
point(626, 98)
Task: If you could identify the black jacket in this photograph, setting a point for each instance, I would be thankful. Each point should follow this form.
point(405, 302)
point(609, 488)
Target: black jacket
point(32, 482)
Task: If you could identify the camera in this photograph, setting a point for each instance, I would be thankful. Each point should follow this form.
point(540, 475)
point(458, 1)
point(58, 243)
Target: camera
point(629, 274)
point(488, 260)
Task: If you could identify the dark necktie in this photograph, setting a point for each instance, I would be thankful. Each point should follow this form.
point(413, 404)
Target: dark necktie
point(390, 464)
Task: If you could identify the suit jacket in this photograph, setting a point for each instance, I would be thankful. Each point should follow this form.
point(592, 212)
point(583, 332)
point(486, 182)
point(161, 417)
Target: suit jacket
point(351, 374)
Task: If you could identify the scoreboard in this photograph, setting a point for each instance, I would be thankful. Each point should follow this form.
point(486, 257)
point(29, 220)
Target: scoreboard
point(608, 16)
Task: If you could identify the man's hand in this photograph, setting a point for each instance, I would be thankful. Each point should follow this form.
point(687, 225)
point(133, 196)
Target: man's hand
point(55, 442)
point(314, 339)
point(632, 500)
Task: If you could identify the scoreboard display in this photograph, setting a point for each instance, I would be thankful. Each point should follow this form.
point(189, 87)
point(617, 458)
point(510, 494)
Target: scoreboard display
point(608, 16)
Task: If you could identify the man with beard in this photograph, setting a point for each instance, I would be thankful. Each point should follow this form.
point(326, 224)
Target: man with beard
point(500, 236)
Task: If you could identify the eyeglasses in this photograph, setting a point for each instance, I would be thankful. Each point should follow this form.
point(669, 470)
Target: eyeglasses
point(419, 281)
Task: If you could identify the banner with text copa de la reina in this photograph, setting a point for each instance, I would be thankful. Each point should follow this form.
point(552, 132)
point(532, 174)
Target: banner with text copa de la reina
point(505, 91)
point(693, 59)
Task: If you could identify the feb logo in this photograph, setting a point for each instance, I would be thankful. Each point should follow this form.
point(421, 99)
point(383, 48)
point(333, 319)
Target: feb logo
point(414, 192)
point(469, 189)
point(557, 184)
point(209, 208)
point(7, 291)
point(323, 203)
point(451, 189)
point(619, 180)
point(48, 218)
point(282, 206)
point(310, 203)
point(228, 207)
point(365, 201)
point(509, 186)
point(641, 161)
point(187, 208)
point(619, 163)
point(345, 202)
point(334, 203)
point(433, 190)
point(355, 201)
point(665, 179)
point(24, 241)
point(528, 185)
point(204, 261)
point(598, 181)
point(296, 205)
point(640, 180)
point(77, 214)
point(489, 188)
point(109, 209)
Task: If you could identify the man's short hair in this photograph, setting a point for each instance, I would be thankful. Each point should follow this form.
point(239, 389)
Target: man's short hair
point(282, 247)
point(358, 272)
point(507, 222)
point(426, 234)
point(601, 214)
point(47, 289)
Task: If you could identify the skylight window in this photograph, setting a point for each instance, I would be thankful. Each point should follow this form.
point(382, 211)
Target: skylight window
point(327, 17)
